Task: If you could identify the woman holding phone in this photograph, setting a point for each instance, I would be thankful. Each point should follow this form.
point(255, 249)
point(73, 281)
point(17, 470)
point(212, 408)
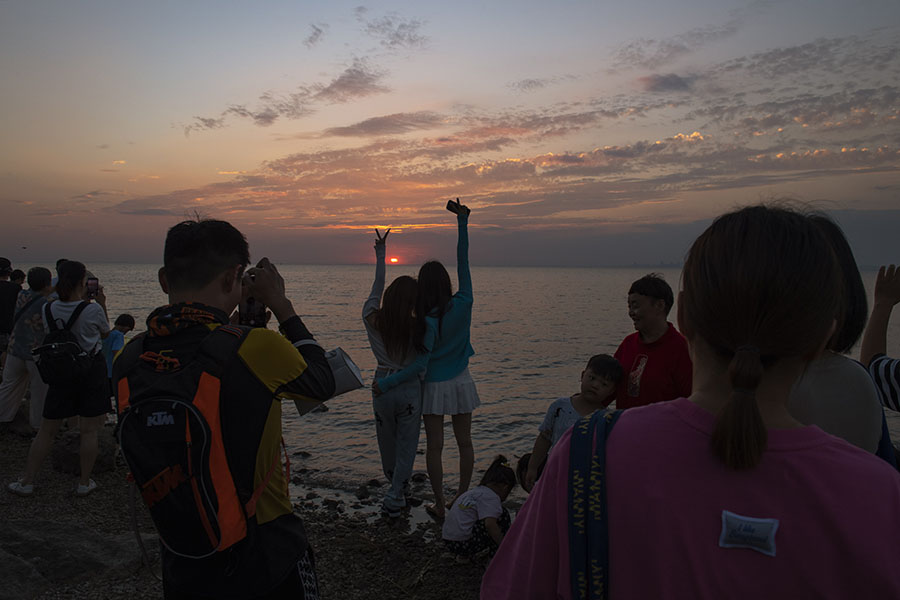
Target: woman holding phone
point(88, 396)
point(443, 322)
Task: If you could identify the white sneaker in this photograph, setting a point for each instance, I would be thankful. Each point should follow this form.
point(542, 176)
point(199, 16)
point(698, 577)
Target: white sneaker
point(20, 489)
point(84, 490)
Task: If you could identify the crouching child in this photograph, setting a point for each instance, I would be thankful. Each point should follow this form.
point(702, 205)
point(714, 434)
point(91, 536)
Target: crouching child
point(478, 520)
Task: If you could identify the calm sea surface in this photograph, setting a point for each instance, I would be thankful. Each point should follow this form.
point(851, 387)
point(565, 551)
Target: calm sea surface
point(533, 330)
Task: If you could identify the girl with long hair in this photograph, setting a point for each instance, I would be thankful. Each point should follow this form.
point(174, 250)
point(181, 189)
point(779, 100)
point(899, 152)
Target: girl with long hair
point(389, 327)
point(722, 494)
point(443, 322)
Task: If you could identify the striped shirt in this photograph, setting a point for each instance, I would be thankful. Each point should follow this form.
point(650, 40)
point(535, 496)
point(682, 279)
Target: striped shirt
point(885, 371)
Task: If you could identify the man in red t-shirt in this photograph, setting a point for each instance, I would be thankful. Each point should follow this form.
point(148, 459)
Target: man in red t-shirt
point(655, 359)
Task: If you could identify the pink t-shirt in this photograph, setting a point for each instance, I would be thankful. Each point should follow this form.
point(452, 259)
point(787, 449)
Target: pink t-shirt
point(837, 510)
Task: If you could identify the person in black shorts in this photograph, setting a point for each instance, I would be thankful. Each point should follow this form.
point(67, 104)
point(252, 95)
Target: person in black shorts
point(87, 397)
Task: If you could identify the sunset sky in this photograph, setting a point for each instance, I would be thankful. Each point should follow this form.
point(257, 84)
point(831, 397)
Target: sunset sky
point(580, 133)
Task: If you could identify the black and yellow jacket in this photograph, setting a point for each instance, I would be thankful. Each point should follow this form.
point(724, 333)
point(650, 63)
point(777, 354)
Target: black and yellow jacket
point(267, 367)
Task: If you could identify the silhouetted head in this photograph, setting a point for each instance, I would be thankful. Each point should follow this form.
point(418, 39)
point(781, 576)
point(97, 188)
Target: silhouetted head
point(198, 251)
point(759, 285)
point(39, 278)
point(394, 320)
point(71, 278)
point(435, 289)
point(851, 319)
point(500, 475)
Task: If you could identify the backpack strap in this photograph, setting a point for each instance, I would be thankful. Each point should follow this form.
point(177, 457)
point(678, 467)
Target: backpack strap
point(588, 518)
point(219, 346)
point(51, 322)
point(49, 318)
point(76, 313)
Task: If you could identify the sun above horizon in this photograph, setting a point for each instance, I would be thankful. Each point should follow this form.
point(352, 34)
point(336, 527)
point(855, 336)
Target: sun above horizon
point(394, 259)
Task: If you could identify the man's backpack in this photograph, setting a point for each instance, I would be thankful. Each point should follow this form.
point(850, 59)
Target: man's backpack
point(170, 434)
point(60, 358)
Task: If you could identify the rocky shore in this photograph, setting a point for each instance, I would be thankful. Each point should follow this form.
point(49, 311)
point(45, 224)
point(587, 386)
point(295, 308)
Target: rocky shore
point(54, 545)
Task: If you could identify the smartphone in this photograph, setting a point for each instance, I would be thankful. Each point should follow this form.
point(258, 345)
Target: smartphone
point(252, 313)
point(93, 286)
point(453, 206)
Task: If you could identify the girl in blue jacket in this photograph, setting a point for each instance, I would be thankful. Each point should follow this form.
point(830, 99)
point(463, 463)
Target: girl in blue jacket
point(444, 320)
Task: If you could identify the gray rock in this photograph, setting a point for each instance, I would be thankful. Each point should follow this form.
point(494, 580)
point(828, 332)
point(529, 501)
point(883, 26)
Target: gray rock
point(418, 477)
point(64, 456)
point(362, 492)
point(374, 483)
point(37, 554)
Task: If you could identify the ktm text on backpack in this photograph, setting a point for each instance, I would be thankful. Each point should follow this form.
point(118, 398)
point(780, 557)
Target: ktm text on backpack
point(171, 436)
point(60, 359)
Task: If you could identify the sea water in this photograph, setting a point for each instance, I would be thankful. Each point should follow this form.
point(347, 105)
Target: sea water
point(533, 330)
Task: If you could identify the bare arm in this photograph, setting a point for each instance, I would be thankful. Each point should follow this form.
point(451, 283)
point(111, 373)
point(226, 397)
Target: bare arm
point(538, 454)
point(493, 529)
point(887, 294)
point(371, 304)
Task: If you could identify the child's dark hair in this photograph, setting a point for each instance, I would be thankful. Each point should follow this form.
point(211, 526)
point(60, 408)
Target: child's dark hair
point(606, 366)
point(654, 286)
point(124, 320)
point(499, 472)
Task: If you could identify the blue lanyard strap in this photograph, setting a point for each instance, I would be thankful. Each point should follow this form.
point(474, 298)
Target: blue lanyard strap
point(588, 523)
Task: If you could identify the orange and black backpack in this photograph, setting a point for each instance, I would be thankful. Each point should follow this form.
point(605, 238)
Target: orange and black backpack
point(170, 434)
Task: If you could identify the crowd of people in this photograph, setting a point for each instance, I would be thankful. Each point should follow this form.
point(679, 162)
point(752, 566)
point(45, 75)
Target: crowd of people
point(740, 454)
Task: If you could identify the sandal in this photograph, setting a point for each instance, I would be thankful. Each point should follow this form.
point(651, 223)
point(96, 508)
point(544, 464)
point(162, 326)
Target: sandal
point(432, 510)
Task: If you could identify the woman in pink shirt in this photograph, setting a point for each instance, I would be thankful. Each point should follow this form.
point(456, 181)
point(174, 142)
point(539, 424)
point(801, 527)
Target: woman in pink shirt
point(722, 494)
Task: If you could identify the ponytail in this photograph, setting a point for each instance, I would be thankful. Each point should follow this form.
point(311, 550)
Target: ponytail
point(499, 472)
point(739, 437)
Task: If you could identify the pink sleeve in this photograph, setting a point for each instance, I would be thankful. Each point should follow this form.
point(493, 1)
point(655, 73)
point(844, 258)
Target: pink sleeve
point(533, 559)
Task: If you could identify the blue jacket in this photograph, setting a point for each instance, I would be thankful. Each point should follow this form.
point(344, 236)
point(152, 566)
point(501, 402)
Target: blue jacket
point(446, 353)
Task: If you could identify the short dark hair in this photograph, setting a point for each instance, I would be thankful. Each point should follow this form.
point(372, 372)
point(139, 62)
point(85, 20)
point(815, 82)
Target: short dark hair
point(17, 274)
point(198, 251)
point(124, 320)
point(654, 286)
point(606, 366)
point(499, 471)
point(71, 273)
point(39, 278)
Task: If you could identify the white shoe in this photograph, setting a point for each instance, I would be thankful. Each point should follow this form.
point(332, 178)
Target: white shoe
point(20, 489)
point(84, 490)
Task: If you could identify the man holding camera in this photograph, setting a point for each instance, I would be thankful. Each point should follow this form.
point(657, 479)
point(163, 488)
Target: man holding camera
point(259, 549)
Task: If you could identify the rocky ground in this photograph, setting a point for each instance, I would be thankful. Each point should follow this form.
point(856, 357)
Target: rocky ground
point(54, 545)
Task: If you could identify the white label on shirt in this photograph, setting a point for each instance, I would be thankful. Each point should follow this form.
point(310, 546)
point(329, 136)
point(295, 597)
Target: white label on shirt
point(748, 532)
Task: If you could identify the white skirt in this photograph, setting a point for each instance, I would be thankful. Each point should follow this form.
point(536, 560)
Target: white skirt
point(452, 397)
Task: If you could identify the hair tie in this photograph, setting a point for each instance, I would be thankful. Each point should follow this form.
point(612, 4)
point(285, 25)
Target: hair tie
point(747, 348)
point(505, 463)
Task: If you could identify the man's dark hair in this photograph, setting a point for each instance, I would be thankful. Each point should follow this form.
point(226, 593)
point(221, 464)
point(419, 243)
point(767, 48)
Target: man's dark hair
point(605, 366)
point(124, 320)
point(198, 251)
point(39, 278)
point(654, 286)
point(17, 275)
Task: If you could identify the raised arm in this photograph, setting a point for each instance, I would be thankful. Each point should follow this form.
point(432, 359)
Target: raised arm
point(372, 302)
point(462, 250)
point(887, 294)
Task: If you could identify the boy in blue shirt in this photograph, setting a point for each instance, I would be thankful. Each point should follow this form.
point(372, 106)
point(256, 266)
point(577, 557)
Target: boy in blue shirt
point(111, 346)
